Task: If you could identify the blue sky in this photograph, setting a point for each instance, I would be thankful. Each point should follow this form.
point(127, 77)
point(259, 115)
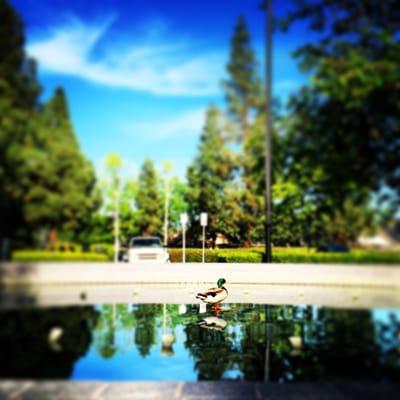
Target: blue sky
point(139, 74)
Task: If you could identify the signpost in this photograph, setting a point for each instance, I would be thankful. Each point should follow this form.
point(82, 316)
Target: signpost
point(203, 223)
point(184, 220)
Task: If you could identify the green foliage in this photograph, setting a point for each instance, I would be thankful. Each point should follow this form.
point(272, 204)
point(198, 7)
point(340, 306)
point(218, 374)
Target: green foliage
point(59, 192)
point(148, 202)
point(45, 181)
point(42, 255)
point(242, 89)
point(103, 248)
point(208, 176)
point(287, 255)
point(193, 255)
point(345, 125)
point(64, 246)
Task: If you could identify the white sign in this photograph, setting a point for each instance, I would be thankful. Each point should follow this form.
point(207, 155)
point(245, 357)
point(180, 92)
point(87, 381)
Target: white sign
point(203, 219)
point(184, 219)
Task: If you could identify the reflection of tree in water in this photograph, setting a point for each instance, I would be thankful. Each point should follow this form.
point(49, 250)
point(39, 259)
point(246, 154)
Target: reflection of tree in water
point(335, 344)
point(26, 352)
point(253, 341)
point(388, 336)
point(146, 324)
point(331, 344)
point(105, 331)
point(343, 345)
point(212, 350)
point(112, 318)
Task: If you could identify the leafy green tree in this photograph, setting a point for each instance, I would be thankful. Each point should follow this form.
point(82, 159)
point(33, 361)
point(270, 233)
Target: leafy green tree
point(208, 176)
point(345, 125)
point(45, 181)
point(18, 100)
point(148, 201)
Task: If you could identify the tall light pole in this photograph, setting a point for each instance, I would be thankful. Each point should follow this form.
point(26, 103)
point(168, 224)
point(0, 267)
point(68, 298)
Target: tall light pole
point(167, 171)
point(184, 220)
point(116, 220)
point(268, 130)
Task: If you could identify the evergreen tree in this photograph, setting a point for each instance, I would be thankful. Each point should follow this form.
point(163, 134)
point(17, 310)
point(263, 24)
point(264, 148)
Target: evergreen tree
point(208, 178)
point(59, 180)
point(148, 201)
point(18, 100)
point(243, 95)
point(45, 181)
point(242, 89)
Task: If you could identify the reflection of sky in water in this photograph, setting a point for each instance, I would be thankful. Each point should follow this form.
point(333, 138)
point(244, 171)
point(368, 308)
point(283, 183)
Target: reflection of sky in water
point(128, 364)
point(124, 342)
point(383, 314)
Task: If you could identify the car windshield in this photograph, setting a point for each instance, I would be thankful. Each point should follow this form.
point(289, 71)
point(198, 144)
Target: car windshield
point(146, 242)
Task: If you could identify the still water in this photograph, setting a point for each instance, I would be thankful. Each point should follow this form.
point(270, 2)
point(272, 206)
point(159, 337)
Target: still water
point(183, 342)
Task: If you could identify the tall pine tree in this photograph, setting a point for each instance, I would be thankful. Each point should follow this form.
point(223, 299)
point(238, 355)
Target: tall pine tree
point(242, 88)
point(208, 177)
point(244, 97)
point(148, 201)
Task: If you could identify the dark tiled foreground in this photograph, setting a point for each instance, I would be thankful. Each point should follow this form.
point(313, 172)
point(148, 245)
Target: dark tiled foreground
point(62, 390)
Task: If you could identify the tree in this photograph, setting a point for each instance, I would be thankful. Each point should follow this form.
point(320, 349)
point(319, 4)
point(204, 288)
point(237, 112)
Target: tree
point(45, 181)
point(346, 124)
point(58, 181)
point(242, 89)
point(208, 176)
point(18, 101)
point(148, 201)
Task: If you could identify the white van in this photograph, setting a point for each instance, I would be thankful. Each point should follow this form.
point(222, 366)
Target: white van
point(147, 249)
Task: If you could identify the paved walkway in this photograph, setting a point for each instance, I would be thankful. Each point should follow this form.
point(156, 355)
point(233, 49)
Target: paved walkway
point(56, 295)
point(289, 274)
point(225, 390)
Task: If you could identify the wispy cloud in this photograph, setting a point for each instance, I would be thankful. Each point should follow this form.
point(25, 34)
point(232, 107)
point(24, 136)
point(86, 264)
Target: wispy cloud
point(157, 64)
point(182, 124)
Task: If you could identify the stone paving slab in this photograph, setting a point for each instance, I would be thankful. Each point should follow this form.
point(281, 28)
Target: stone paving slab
point(60, 390)
point(143, 391)
point(214, 390)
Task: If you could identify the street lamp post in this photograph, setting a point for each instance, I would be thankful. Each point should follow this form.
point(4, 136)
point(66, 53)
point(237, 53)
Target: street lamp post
point(184, 220)
point(167, 171)
point(116, 221)
point(268, 131)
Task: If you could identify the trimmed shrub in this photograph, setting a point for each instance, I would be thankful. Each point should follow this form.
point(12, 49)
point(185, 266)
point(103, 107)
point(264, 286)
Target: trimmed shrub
point(64, 246)
point(103, 248)
point(39, 255)
point(287, 255)
point(193, 255)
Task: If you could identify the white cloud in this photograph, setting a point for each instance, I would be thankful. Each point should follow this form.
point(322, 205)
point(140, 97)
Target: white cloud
point(152, 65)
point(187, 123)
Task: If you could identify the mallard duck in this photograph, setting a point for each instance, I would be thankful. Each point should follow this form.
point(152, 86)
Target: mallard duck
point(214, 295)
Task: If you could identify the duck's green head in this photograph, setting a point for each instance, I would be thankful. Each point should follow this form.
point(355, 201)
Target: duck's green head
point(221, 282)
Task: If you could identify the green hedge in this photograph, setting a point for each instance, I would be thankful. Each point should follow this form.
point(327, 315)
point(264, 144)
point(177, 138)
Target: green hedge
point(103, 248)
point(287, 255)
point(40, 255)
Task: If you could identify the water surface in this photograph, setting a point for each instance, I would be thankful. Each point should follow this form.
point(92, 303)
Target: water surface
point(250, 342)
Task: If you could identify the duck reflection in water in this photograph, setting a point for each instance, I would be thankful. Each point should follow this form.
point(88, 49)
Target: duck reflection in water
point(213, 323)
